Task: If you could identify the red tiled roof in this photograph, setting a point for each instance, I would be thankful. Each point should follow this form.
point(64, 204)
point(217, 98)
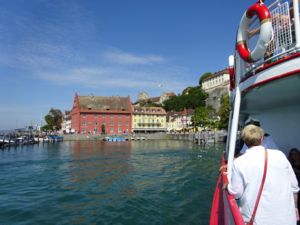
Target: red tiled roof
point(104, 103)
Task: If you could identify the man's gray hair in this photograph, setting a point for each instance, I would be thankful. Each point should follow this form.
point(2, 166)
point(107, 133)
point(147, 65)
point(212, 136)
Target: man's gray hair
point(252, 135)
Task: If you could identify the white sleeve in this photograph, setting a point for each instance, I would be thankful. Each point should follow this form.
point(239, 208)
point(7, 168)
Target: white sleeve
point(294, 182)
point(235, 186)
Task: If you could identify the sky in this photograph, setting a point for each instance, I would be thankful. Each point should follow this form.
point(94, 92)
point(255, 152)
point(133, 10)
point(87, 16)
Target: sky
point(51, 49)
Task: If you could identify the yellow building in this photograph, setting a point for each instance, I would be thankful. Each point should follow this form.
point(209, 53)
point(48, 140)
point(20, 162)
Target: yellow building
point(149, 119)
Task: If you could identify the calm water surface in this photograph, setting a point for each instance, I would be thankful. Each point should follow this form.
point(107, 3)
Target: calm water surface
point(90, 182)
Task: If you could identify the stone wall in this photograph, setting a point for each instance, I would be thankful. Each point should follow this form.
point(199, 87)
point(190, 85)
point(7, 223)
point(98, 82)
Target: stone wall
point(215, 95)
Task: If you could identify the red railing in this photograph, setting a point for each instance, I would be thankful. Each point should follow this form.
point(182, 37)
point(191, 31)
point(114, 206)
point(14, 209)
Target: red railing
point(225, 210)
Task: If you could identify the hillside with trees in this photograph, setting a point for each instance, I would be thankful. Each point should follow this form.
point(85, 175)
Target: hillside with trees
point(191, 98)
point(194, 98)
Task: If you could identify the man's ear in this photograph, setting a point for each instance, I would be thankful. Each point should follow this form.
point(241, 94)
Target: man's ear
point(262, 139)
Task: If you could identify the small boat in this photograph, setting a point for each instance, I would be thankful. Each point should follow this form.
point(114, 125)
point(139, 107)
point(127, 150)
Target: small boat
point(6, 140)
point(116, 139)
point(55, 138)
point(41, 139)
point(263, 86)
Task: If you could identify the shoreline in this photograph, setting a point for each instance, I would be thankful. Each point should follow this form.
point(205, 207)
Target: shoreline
point(199, 137)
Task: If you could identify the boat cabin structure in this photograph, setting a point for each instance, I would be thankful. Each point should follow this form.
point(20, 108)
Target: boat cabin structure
point(265, 85)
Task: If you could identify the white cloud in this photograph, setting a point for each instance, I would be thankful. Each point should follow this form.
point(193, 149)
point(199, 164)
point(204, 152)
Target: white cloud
point(125, 58)
point(113, 78)
point(33, 55)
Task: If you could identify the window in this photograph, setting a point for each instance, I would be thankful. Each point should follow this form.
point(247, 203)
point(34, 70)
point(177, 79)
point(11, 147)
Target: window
point(111, 123)
point(83, 115)
point(111, 116)
point(103, 115)
point(111, 130)
point(120, 116)
point(96, 123)
point(83, 130)
point(95, 115)
point(119, 124)
point(119, 130)
point(104, 123)
point(127, 123)
point(127, 116)
point(83, 123)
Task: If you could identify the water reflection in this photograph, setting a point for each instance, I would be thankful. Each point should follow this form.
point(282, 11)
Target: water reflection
point(93, 182)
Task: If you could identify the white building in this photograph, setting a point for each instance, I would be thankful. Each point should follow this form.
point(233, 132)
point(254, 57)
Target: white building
point(216, 86)
point(66, 125)
point(178, 121)
point(218, 79)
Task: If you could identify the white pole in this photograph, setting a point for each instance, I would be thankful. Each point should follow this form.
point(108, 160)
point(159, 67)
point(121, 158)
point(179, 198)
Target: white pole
point(296, 22)
point(228, 134)
point(233, 131)
point(235, 116)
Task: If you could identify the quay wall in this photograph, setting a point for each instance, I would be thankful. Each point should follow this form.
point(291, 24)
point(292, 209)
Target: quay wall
point(199, 137)
point(82, 137)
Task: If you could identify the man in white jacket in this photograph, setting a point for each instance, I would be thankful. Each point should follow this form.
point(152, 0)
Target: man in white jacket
point(277, 205)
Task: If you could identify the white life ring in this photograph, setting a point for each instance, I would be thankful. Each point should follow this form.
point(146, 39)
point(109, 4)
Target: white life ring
point(265, 35)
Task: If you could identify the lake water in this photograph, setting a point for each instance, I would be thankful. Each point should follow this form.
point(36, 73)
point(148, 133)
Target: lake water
point(90, 182)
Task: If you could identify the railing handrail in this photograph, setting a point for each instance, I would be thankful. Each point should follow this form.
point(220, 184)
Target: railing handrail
point(234, 209)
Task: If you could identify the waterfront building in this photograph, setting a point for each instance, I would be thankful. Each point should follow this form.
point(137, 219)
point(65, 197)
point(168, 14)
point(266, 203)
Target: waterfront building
point(66, 125)
point(149, 119)
point(216, 86)
point(99, 115)
point(180, 121)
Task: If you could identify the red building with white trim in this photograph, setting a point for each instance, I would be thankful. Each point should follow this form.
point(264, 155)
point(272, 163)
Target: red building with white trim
point(94, 114)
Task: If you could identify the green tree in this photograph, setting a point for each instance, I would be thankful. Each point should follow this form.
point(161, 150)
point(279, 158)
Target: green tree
point(175, 103)
point(191, 98)
point(224, 112)
point(54, 119)
point(195, 97)
point(203, 76)
point(149, 103)
point(201, 117)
